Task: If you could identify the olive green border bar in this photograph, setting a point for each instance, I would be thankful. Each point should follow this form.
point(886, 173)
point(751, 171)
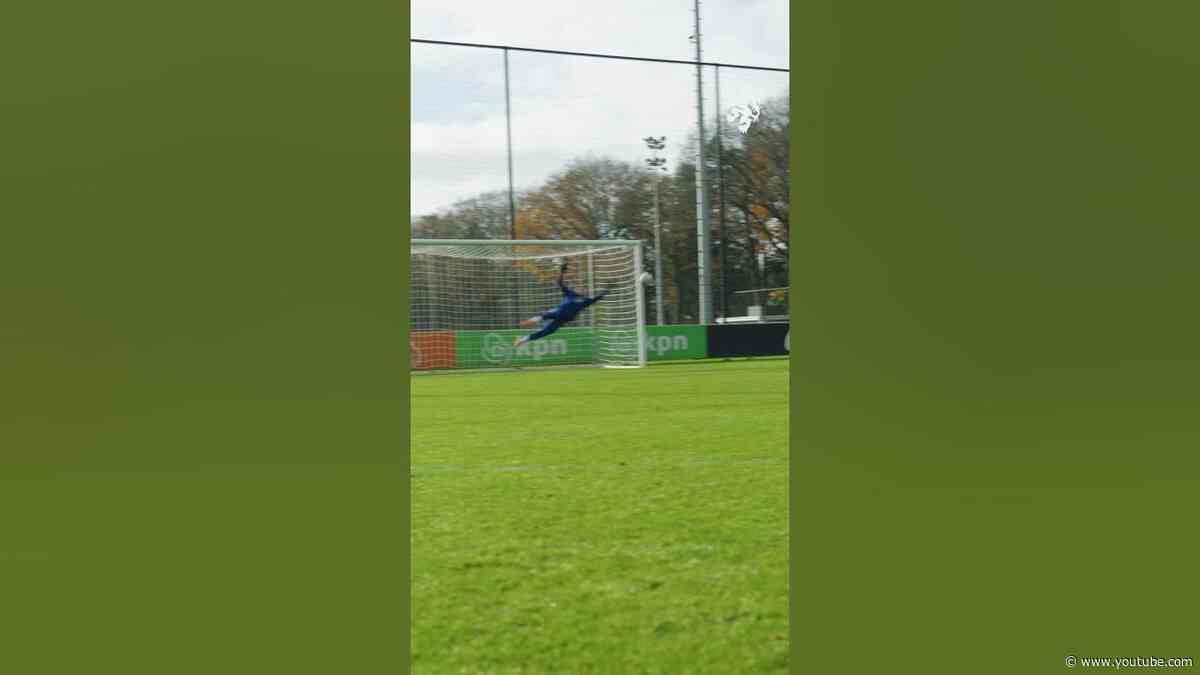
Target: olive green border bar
point(403, 189)
point(995, 349)
point(203, 399)
point(804, 42)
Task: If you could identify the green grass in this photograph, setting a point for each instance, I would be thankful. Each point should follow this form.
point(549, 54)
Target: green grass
point(599, 521)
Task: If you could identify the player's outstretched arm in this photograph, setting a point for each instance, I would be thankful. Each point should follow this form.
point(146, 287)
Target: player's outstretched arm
point(599, 296)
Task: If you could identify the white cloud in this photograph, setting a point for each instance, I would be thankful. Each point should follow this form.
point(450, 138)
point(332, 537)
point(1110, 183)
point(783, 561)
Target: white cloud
point(567, 107)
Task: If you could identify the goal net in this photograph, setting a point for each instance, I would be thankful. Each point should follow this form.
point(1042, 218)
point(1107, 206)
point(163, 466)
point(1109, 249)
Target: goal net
point(469, 297)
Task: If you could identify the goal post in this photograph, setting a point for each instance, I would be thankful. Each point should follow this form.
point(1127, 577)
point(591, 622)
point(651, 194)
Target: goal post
point(469, 296)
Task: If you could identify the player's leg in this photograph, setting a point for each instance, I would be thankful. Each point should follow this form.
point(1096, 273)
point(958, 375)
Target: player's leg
point(551, 315)
point(547, 329)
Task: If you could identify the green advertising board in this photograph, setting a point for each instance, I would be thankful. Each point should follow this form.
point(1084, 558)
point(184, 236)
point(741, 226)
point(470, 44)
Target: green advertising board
point(494, 348)
point(664, 343)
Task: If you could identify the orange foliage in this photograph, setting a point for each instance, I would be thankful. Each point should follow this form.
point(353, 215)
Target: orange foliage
point(531, 223)
point(760, 164)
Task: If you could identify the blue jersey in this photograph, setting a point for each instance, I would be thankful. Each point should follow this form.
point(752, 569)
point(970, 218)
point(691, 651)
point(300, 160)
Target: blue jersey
point(570, 307)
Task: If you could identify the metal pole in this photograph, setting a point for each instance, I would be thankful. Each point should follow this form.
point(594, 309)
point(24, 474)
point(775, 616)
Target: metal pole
point(721, 187)
point(512, 202)
point(658, 280)
point(702, 217)
point(657, 164)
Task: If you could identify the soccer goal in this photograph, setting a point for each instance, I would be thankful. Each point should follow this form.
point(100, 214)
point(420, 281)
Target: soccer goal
point(469, 297)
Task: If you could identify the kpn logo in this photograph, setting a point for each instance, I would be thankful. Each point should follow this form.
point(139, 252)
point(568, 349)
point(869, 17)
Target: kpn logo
point(665, 344)
point(498, 349)
point(540, 349)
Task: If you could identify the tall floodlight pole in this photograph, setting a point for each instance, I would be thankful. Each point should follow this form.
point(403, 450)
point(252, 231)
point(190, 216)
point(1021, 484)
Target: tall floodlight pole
point(721, 200)
point(703, 245)
point(512, 202)
point(657, 164)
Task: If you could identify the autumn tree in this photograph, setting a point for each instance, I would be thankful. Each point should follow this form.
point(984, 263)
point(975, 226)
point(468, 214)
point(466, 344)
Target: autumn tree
point(757, 202)
point(484, 216)
point(592, 198)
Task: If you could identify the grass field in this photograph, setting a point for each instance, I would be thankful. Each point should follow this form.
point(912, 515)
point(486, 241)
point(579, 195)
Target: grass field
point(601, 521)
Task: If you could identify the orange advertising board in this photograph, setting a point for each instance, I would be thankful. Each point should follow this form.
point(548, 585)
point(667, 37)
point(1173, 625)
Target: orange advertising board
point(429, 350)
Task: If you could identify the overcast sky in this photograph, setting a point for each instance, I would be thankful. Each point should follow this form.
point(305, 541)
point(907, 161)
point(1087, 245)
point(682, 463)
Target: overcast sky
point(564, 107)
